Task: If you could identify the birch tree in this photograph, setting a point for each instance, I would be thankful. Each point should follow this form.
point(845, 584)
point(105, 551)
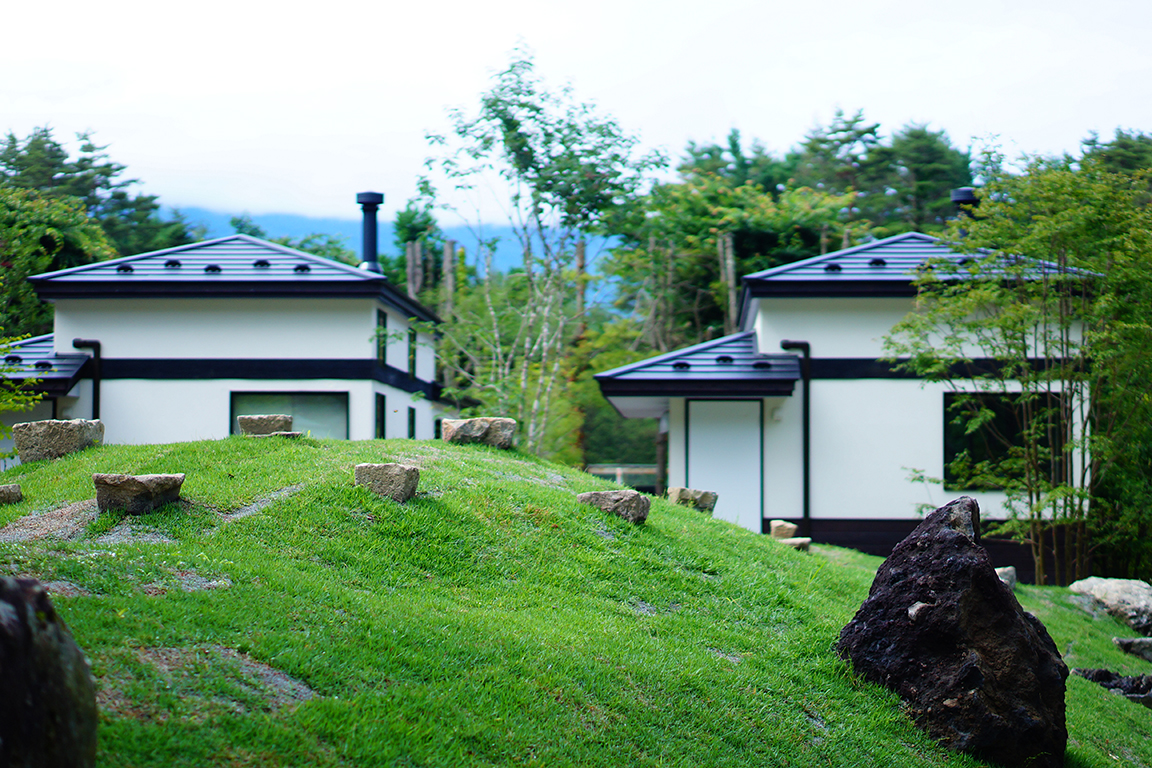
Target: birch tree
point(560, 170)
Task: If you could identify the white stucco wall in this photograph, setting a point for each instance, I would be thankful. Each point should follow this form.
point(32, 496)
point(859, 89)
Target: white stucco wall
point(136, 411)
point(222, 328)
point(843, 327)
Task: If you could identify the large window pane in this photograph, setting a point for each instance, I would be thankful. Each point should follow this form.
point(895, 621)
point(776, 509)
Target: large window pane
point(324, 414)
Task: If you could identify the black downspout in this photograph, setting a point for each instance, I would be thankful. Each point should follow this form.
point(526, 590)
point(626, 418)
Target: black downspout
point(369, 202)
point(93, 345)
point(806, 376)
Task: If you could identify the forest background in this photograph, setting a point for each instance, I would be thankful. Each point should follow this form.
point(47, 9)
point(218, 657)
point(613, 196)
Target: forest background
point(618, 261)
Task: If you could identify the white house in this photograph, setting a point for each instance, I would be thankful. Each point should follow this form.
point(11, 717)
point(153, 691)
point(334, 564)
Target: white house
point(834, 450)
point(173, 345)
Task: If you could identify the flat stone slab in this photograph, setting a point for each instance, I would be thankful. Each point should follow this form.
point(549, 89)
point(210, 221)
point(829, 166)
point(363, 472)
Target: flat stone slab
point(1137, 646)
point(288, 435)
point(136, 494)
point(395, 481)
point(782, 529)
point(801, 543)
point(486, 430)
point(11, 494)
point(705, 501)
point(53, 438)
point(631, 505)
point(1007, 575)
point(264, 424)
point(1128, 600)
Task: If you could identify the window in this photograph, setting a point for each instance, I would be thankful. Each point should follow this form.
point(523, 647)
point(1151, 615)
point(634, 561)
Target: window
point(438, 429)
point(323, 414)
point(382, 336)
point(992, 453)
point(411, 423)
point(381, 417)
point(412, 352)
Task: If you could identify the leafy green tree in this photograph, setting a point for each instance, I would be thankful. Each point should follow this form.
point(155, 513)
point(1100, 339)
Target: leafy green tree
point(132, 222)
point(908, 181)
point(1128, 152)
point(564, 172)
point(737, 166)
point(34, 230)
point(1056, 296)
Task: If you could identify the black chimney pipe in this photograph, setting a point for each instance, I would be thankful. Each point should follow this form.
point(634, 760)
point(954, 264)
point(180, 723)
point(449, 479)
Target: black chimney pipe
point(93, 345)
point(964, 196)
point(369, 203)
point(806, 375)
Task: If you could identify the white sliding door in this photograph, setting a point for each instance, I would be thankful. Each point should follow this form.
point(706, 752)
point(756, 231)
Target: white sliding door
point(724, 455)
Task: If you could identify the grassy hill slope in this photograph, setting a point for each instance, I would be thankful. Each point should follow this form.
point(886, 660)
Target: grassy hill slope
point(281, 616)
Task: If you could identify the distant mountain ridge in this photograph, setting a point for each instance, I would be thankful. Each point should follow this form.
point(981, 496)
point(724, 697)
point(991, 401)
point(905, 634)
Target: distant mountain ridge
point(217, 224)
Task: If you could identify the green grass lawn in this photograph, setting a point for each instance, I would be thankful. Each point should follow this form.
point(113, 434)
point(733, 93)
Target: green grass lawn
point(492, 620)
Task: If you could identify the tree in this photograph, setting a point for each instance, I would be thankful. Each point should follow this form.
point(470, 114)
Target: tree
point(564, 172)
point(908, 181)
point(681, 256)
point(1055, 299)
point(34, 230)
point(131, 222)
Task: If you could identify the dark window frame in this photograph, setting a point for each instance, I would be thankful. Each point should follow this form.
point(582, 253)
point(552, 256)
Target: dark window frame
point(382, 336)
point(234, 429)
point(994, 441)
point(381, 416)
point(411, 423)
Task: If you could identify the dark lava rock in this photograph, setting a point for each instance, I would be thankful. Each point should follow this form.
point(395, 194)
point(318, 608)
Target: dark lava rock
point(975, 671)
point(48, 711)
point(1135, 688)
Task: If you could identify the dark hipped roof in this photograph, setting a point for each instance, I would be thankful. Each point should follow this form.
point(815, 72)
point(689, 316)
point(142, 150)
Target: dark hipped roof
point(234, 266)
point(882, 268)
point(728, 367)
point(34, 359)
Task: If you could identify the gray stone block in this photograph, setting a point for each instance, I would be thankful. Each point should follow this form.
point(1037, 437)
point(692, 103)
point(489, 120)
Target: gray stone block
point(396, 481)
point(705, 501)
point(11, 494)
point(264, 424)
point(53, 438)
point(136, 494)
point(630, 505)
point(486, 430)
point(782, 529)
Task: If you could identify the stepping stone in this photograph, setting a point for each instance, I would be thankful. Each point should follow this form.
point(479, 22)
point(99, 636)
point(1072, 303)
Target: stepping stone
point(53, 438)
point(628, 504)
point(782, 529)
point(395, 481)
point(136, 494)
point(797, 542)
point(11, 494)
point(705, 501)
point(264, 424)
point(486, 430)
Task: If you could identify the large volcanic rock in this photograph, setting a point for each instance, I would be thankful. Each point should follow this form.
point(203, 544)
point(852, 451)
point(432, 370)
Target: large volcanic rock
point(1129, 600)
point(940, 629)
point(48, 711)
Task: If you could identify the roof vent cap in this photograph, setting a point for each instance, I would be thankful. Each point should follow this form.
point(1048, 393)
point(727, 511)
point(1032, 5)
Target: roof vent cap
point(172, 264)
point(43, 365)
point(124, 269)
point(877, 262)
point(301, 268)
point(724, 359)
point(832, 267)
point(261, 263)
point(13, 359)
point(680, 365)
point(212, 269)
point(762, 365)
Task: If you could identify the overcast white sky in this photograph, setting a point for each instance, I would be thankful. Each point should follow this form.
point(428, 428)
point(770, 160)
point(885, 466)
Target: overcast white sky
point(293, 107)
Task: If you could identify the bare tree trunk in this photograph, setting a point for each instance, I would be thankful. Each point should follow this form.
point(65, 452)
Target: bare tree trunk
point(448, 281)
point(733, 297)
point(414, 267)
point(581, 326)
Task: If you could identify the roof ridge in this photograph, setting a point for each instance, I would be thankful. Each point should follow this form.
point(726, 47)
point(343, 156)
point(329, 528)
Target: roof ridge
point(676, 353)
point(863, 247)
